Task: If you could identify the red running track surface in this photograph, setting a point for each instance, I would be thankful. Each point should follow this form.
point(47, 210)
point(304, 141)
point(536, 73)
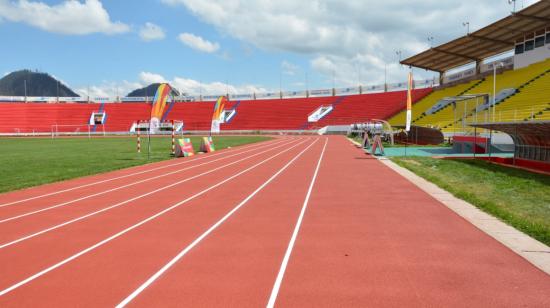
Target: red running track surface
point(218, 237)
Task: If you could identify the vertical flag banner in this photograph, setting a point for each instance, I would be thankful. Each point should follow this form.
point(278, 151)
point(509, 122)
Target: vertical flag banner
point(184, 148)
point(409, 102)
point(218, 114)
point(159, 103)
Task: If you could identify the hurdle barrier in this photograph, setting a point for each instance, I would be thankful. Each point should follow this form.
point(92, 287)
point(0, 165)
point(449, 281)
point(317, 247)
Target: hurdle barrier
point(167, 127)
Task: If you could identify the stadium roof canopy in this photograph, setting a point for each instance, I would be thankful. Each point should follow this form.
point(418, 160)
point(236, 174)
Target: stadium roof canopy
point(492, 40)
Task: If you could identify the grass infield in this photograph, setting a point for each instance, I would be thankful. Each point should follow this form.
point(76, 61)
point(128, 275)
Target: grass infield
point(26, 162)
point(517, 197)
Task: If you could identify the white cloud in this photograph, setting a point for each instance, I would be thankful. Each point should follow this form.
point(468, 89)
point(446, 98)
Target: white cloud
point(108, 89)
point(149, 78)
point(151, 32)
point(194, 87)
point(347, 34)
point(182, 84)
point(69, 17)
point(198, 43)
point(289, 68)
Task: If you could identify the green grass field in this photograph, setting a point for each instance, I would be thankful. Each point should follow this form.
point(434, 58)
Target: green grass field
point(26, 162)
point(520, 198)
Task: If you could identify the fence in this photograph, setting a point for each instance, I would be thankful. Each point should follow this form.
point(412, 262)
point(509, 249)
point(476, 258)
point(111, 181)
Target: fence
point(418, 84)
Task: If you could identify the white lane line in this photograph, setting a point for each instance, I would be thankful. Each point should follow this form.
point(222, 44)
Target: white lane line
point(2, 246)
point(182, 253)
point(129, 175)
point(278, 281)
point(128, 185)
point(107, 240)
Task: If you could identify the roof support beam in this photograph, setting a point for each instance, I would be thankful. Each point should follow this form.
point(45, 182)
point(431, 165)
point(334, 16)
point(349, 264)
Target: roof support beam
point(532, 17)
point(422, 67)
point(483, 38)
point(509, 30)
point(455, 54)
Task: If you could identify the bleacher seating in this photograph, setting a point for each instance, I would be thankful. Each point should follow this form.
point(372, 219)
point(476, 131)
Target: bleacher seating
point(531, 100)
point(360, 108)
point(40, 117)
point(272, 114)
point(275, 114)
point(427, 102)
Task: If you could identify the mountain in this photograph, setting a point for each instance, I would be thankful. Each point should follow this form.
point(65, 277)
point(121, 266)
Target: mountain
point(149, 91)
point(37, 84)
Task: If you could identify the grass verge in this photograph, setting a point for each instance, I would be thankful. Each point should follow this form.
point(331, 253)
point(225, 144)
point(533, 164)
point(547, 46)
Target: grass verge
point(26, 162)
point(517, 197)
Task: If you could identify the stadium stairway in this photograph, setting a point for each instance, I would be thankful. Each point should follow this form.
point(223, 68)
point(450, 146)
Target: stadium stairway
point(335, 104)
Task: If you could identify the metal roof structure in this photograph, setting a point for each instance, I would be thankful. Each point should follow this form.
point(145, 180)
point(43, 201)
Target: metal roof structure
point(489, 41)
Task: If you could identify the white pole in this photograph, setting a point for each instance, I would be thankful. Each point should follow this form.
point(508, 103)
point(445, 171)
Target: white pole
point(475, 114)
point(494, 89)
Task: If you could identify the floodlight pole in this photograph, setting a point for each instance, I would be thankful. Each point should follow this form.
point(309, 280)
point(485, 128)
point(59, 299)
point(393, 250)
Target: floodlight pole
point(467, 25)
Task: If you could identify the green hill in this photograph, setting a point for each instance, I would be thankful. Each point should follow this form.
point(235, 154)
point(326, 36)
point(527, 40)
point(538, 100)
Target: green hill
point(149, 91)
point(37, 84)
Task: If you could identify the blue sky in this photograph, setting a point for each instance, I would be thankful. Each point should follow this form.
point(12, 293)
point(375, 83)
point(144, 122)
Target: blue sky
point(248, 45)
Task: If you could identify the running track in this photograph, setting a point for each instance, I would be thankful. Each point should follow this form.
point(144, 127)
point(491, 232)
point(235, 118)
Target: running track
point(292, 222)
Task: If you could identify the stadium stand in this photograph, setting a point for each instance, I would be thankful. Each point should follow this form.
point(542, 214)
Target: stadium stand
point(36, 117)
point(530, 100)
point(358, 108)
point(285, 114)
point(272, 114)
point(419, 109)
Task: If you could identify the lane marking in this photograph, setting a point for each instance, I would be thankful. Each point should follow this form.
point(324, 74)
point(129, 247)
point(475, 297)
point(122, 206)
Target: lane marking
point(2, 246)
point(132, 174)
point(284, 264)
point(128, 185)
point(182, 253)
point(107, 240)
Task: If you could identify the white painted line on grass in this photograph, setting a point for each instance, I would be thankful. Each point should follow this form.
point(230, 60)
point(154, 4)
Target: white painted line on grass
point(19, 240)
point(128, 185)
point(284, 264)
point(182, 253)
point(128, 175)
point(107, 240)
